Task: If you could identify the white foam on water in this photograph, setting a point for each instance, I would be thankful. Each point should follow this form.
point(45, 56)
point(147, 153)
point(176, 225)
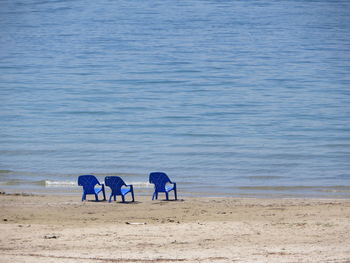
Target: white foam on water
point(49, 183)
point(142, 184)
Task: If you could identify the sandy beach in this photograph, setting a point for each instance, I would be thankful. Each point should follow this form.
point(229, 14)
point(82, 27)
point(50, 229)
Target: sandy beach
point(46, 228)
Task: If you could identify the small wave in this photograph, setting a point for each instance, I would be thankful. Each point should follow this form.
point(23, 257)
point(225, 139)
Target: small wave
point(142, 184)
point(264, 177)
point(12, 182)
point(49, 183)
point(5, 171)
point(337, 188)
point(53, 183)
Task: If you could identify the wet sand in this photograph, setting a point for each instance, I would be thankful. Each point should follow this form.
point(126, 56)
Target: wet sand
point(48, 228)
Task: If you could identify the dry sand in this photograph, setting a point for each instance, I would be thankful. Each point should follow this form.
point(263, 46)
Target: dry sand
point(63, 229)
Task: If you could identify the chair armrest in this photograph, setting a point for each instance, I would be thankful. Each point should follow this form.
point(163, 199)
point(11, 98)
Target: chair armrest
point(174, 184)
point(102, 187)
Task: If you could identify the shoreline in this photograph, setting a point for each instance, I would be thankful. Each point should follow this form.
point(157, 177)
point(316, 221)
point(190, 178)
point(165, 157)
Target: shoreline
point(61, 228)
point(66, 184)
point(326, 192)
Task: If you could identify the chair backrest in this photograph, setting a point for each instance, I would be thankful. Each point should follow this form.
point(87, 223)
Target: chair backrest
point(115, 183)
point(88, 183)
point(159, 179)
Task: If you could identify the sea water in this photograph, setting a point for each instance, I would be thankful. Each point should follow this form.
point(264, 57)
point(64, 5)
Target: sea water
point(227, 97)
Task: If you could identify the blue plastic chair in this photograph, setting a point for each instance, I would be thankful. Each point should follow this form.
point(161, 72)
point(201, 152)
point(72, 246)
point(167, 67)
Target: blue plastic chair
point(116, 184)
point(161, 185)
point(88, 183)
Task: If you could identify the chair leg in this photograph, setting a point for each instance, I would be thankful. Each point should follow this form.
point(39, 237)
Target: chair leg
point(96, 197)
point(123, 198)
point(132, 195)
point(167, 196)
point(83, 197)
point(103, 191)
point(110, 198)
point(175, 193)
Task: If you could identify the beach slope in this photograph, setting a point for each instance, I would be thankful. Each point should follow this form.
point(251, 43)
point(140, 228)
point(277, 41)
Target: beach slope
point(63, 229)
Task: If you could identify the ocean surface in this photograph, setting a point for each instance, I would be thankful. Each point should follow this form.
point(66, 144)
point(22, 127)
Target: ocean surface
point(238, 98)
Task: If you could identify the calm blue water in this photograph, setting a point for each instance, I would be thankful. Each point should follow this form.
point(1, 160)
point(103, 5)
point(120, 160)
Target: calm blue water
point(228, 97)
